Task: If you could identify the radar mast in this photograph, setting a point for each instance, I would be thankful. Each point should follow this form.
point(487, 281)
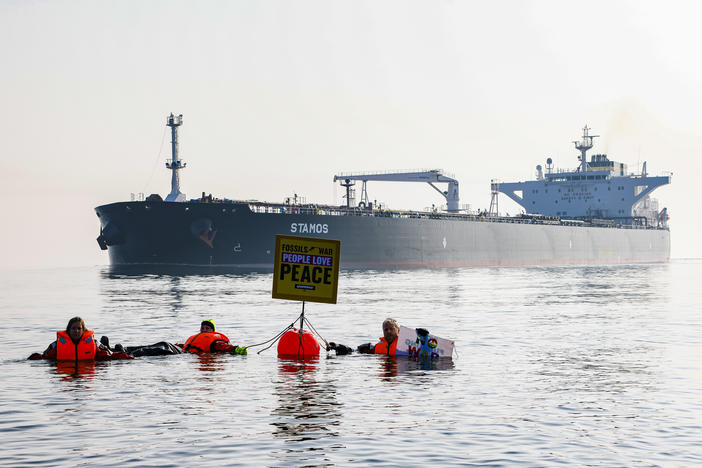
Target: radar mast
point(584, 145)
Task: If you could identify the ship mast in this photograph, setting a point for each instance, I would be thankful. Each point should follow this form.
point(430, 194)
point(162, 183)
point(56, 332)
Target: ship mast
point(175, 164)
point(584, 145)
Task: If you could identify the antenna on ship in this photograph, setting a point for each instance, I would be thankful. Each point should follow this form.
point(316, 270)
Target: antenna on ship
point(175, 164)
point(495, 192)
point(350, 192)
point(584, 145)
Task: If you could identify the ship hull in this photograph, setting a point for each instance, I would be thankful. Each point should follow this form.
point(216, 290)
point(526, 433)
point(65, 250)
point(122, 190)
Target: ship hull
point(234, 235)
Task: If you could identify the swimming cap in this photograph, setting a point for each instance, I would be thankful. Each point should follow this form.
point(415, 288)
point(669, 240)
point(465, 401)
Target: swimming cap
point(210, 323)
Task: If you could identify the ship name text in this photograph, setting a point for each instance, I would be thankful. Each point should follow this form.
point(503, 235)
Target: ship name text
point(311, 228)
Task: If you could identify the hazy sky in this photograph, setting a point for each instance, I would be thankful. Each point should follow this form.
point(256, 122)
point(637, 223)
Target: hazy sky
point(278, 96)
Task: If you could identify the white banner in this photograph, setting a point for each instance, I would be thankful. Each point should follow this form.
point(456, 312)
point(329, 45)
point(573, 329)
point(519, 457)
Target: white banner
point(413, 344)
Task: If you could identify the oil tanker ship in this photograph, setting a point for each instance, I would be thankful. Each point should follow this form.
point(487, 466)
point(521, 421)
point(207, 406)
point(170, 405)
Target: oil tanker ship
point(597, 213)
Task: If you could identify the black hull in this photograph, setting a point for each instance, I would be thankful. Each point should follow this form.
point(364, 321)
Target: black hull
point(232, 235)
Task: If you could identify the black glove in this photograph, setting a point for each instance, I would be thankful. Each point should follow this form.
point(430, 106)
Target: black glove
point(105, 341)
point(340, 349)
point(422, 331)
point(366, 348)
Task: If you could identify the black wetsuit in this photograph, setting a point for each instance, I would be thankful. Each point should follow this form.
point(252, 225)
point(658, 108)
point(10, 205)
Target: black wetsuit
point(162, 348)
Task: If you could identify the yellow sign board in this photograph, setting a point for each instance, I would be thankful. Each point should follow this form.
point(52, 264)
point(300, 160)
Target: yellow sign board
point(306, 269)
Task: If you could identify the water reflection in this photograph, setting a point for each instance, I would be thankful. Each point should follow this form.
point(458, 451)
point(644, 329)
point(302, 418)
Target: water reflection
point(308, 411)
point(116, 271)
point(211, 362)
point(393, 366)
point(171, 292)
point(592, 337)
point(605, 370)
point(605, 285)
point(144, 292)
point(69, 371)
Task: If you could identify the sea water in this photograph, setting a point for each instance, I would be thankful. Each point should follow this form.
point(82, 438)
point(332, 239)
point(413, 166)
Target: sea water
point(584, 366)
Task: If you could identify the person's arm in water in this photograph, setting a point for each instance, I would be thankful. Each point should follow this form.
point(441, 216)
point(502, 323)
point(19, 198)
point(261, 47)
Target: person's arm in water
point(227, 347)
point(340, 349)
point(49, 353)
point(104, 354)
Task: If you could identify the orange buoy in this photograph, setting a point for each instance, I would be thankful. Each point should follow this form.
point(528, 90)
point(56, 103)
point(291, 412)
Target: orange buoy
point(292, 343)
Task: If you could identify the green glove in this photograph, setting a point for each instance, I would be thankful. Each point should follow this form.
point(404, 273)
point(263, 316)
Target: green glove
point(240, 350)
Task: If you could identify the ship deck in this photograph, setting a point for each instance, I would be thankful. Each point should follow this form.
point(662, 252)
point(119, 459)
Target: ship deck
point(330, 210)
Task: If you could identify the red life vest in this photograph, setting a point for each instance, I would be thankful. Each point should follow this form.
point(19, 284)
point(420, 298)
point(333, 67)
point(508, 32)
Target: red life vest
point(202, 342)
point(66, 350)
point(382, 347)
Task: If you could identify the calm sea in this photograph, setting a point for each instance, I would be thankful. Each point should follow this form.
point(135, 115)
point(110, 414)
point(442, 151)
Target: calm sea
point(584, 366)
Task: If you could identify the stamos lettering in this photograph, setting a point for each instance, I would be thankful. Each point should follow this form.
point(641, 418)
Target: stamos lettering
point(309, 228)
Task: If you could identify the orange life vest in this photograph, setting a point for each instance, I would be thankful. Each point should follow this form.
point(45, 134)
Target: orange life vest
point(382, 347)
point(202, 342)
point(66, 350)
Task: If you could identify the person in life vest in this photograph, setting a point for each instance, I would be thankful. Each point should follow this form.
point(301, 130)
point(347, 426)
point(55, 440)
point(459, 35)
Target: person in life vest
point(77, 343)
point(209, 340)
point(388, 342)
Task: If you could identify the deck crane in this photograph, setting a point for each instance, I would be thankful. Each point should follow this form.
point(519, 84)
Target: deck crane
point(431, 177)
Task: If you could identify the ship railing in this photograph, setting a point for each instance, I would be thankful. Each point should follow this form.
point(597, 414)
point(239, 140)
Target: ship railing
point(478, 216)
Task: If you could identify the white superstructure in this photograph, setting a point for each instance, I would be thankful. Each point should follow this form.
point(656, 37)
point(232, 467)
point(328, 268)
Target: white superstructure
point(599, 188)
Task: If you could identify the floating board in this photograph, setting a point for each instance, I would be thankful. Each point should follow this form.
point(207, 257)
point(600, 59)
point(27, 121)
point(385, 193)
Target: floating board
point(410, 343)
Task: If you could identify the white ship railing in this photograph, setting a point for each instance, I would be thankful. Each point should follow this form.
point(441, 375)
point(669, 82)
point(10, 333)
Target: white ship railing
point(326, 210)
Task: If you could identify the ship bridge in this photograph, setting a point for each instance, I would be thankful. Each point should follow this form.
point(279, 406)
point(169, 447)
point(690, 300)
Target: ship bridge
point(431, 177)
point(600, 188)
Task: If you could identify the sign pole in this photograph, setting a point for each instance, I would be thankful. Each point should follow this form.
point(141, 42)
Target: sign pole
point(302, 316)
